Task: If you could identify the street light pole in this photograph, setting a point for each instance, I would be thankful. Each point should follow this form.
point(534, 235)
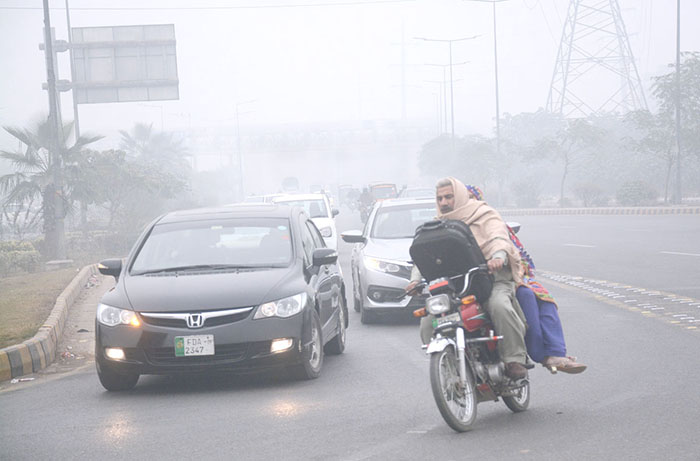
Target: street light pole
point(449, 42)
point(678, 194)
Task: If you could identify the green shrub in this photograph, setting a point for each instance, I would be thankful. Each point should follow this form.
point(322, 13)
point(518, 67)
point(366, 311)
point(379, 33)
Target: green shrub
point(590, 194)
point(636, 193)
point(18, 257)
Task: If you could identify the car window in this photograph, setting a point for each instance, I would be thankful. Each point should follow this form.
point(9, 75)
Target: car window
point(307, 242)
point(400, 222)
point(315, 208)
point(240, 242)
point(315, 234)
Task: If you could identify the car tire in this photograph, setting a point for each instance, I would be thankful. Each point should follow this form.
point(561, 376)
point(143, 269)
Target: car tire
point(311, 355)
point(115, 382)
point(366, 317)
point(336, 345)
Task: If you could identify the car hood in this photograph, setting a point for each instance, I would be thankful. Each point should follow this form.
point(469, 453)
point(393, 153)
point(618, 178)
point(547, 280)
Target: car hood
point(396, 249)
point(207, 290)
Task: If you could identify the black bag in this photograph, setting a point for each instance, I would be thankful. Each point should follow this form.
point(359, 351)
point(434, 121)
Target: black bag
point(448, 248)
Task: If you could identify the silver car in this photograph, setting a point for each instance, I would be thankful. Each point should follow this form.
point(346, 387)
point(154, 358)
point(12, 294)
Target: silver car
point(381, 266)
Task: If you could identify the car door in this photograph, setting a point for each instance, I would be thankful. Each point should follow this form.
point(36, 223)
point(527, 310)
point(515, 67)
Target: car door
point(328, 285)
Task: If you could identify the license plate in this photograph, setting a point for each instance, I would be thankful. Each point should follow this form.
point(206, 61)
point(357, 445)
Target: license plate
point(454, 317)
point(194, 345)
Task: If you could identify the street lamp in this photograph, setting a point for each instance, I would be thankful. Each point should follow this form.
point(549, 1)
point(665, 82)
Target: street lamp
point(444, 86)
point(449, 42)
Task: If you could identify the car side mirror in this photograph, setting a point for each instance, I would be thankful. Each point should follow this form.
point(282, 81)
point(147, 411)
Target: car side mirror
point(111, 267)
point(515, 226)
point(324, 256)
point(335, 212)
point(353, 236)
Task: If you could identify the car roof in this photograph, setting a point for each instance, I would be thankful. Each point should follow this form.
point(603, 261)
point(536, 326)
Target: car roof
point(293, 197)
point(403, 201)
point(236, 210)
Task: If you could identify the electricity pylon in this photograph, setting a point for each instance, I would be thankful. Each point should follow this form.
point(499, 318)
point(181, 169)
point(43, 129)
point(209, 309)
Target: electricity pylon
point(595, 70)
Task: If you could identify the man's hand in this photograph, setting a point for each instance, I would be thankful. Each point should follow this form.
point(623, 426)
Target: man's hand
point(411, 288)
point(495, 264)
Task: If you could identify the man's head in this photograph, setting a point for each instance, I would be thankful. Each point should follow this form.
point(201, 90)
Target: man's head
point(445, 196)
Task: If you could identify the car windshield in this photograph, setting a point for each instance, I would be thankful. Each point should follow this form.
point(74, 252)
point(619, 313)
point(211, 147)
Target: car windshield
point(215, 244)
point(382, 192)
point(400, 222)
point(315, 208)
point(417, 193)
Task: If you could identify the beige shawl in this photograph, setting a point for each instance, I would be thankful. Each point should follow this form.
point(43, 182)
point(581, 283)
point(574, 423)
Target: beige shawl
point(486, 224)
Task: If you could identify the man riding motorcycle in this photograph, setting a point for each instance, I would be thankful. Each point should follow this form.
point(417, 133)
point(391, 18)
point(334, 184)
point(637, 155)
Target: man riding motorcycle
point(503, 260)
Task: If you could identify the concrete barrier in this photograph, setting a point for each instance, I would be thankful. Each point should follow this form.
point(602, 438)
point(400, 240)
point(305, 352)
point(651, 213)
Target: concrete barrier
point(660, 210)
point(39, 351)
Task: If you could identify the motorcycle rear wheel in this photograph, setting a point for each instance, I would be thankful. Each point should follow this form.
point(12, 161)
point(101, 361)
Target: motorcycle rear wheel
point(457, 406)
point(519, 402)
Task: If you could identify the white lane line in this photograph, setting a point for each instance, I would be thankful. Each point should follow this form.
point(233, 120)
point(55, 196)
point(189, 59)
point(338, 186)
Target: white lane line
point(679, 253)
point(657, 308)
point(631, 301)
point(580, 246)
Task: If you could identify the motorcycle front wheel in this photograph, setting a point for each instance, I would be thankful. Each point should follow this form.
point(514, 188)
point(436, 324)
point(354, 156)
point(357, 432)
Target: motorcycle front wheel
point(457, 404)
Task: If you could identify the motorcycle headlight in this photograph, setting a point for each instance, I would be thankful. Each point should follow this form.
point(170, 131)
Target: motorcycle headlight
point(284, 308)
point(381, 265)
point(438, 304)
point(327, 232)
point(113, 316)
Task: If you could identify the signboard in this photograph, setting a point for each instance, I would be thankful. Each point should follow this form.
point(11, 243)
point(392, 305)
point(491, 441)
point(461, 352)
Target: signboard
point(124, 63)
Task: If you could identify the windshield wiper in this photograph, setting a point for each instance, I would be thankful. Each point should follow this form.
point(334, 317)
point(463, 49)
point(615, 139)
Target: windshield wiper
point(196, 267)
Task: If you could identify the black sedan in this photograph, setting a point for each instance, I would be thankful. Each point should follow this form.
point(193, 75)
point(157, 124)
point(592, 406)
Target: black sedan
point(239, 288)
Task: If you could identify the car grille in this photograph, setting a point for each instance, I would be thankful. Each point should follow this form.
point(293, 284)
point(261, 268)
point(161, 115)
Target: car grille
point(172, 320)
point(229, 353)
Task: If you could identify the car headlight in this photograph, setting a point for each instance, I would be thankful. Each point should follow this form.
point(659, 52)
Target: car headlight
point(327, 232)
point(284, 308)
point(113, 316)
point(381, 265)
point(437, 304)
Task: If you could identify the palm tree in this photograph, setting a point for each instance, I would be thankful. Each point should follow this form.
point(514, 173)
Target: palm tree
point(34, 176)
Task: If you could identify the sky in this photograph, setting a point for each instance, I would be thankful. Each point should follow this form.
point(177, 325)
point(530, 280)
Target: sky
point(307, 61)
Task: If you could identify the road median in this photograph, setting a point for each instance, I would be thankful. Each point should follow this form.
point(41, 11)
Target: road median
point(36, 353)
point(659, 210)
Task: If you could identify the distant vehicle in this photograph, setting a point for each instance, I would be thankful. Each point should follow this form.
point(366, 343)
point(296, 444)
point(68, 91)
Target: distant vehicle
point(261, 198)
point(290, 184)
point(348, 195)
point(318, 207)
point(382, 191)
point(417, 192)
point(380, 264)
point(243, 287)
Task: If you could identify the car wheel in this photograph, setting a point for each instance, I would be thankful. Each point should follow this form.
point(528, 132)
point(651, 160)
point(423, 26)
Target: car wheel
point(312, 354)
point(337, 345)
point(113, 381)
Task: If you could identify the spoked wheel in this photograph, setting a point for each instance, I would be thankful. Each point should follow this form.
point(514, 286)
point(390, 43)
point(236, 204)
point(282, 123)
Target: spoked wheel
point(457, 404)
point(520, 401)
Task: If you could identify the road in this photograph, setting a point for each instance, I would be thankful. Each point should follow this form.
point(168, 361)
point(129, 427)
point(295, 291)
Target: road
point(636, 400)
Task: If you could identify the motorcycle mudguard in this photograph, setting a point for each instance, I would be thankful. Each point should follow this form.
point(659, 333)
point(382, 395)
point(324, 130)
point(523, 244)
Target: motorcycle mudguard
point(439, 344)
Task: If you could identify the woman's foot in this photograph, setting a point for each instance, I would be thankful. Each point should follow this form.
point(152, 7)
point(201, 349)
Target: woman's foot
point(563, 364)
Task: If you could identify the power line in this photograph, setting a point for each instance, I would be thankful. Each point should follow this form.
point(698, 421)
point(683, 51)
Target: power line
point(214, 8)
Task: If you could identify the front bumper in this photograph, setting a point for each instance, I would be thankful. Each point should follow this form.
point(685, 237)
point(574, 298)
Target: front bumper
point(383, 293)
point(240, 346)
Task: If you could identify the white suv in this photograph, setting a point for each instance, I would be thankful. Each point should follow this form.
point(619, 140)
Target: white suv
point(318, 207)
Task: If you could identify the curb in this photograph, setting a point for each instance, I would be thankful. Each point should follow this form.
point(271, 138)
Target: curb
point(603, 211)
point(38, 352)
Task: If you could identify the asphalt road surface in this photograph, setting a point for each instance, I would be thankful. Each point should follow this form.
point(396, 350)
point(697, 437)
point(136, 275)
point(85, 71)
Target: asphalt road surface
point(637, 400)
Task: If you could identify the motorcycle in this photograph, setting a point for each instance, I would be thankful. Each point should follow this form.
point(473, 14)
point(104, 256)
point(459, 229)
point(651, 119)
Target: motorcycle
point(465, 367)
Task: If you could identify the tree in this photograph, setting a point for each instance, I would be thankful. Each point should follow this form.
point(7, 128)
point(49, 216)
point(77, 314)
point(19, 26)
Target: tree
point(575, 139)
point(34, 175)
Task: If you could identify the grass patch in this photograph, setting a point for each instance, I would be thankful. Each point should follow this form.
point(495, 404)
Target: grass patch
point(27, 300)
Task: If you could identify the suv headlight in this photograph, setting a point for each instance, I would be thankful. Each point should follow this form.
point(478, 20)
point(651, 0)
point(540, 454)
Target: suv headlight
point(113, 316)
point(284, 308)
point(437, 304)
point(326, 232)
point(381, 265)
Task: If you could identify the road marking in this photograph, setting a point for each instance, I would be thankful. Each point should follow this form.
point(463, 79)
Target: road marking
point(580, 246)
point(679, 253)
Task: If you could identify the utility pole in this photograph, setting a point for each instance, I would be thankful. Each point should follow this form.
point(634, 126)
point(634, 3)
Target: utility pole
point(56, 225)
point(76, 119)
point(452, 108)
point(679, 195)
point(444, 85)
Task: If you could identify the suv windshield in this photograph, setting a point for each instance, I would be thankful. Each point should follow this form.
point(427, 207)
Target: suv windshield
point(315, 208)
point(215, 244)
point(382, 192)
point(400, 222)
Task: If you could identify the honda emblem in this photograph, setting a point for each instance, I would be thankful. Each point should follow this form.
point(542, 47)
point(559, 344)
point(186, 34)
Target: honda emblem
point(195, 321)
